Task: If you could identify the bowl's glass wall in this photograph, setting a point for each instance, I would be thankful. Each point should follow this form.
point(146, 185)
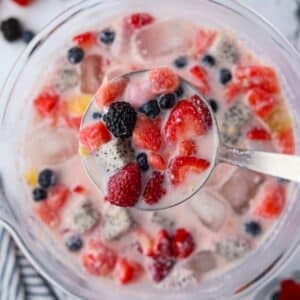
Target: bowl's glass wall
point(23, 83)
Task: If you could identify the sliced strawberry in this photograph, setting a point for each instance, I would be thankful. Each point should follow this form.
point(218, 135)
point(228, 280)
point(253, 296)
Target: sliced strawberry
point(111, 91)
point(201, 77)
point(181, 165)
point(232, 90)
point(139, 20)
point(184, 122)
point(57, 197)
point(85, 39)
point(204, 40)
point(127, 271)
point(98, 259)
point(183, 243)
point(163, 80)
point(146, 134)
point(261, 77)
point(94, 135)
point(160, 267)
point(124, 187)
point(258, 134)
point(23, 2)
point(156, 161)
point(46, 104)
point(261, 102)
point(145, 242)
point(154, 189)
point(286, 141)
point(188, 148)
point(203, 110)
point(271, 200)
point(163, 244)
point(46, 214)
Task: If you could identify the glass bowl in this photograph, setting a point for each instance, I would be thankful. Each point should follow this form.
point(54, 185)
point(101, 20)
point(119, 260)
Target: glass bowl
point(50, 258)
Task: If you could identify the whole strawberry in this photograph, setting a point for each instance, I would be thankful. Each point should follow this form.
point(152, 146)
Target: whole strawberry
point(124, 187)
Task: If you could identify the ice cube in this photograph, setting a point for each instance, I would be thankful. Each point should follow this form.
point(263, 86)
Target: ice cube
point(50, 146)
point(179, 278)
point(241, 188)
point(210, 209)
point(202, 262)
point(220, 175)
point(91, 74)
point(162, 219)
point(164, 38)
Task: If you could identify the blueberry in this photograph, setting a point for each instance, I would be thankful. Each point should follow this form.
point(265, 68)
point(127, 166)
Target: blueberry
point(11, 29)
point(74, 243)
point(75, 55)
point(214, 105)
point(225, 76)
point(167, 101)
point(150, 109)
point(27, 36)
point(179, 92)
point(209, 60)
point(107, 36)
point(180, 62)
point(46, 178)
point(142, 161)
point(275, 296)
point(253, 228)
point(97, 115)
point(39, 194)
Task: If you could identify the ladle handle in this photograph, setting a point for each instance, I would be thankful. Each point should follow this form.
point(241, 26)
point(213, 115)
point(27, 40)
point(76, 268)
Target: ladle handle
point(279, 165)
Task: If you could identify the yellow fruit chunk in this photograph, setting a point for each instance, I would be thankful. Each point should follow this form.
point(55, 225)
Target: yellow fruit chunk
point(83, 151)
point(279, 120)
point(79, 104)
point(31, 177)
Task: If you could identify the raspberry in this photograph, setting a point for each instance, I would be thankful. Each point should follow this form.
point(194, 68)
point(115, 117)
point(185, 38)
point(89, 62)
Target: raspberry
point(201, 79)
point(94, 135)
point(120, 119)
point(23, 2)
point(124, 187)
point(163, 244)
point(188, 148)
point(138, 20)
point(184, 121)
point(98, 259)
point(181, 165)
point(146, 134)
point(163, 80)
point(110, 91)
point(85, 39)
point(183, 243)
point(156, 161)
point(46, 104)
point(126, 271)
point(160, 267)
point(154, 189)
point(258, 134)
point(203, 110)
point(204, 40)
point(285, 142)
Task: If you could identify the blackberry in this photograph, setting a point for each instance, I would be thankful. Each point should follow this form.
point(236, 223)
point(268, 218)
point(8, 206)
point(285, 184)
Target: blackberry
point(142, 161)
point(75, 55)
point(225, 76)
point(180, 62)
point(11, 29)
point(46, 178)
point(120, 119)
point(150, 109)
point(208, 60)
point(39, 194)
point(107, 36)
point(167, 101)
point(74, 243)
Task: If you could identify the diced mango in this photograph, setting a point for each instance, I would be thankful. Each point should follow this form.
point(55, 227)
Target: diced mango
point(84, 152)
point(31, 177)
point(279, 120)
point(78, 105)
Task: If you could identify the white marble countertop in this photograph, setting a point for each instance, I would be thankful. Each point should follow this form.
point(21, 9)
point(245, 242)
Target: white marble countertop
point(279, 12)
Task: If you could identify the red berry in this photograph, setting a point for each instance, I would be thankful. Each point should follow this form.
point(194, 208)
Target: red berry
point(46, 214)
point(203, 110)
point(46, 103)
point(290, 290)
point(138, 20)
point(94, 135)
point(163, 244)
point(57, 197)
point(124, 187)
point(85, 39)
point(201, 77)
point(163, 80)
point(204, 40)
point(160, 267)
point(285, 141)
point(127, 271)
point(232, 90)
point(258, 134)
point(98, 259)
point(154, 189)
point(110, 91)
point(181, 165)
point(183, 243)
point(156, 161)
point(23, 2)
point(184, 122)
point(188, 148)
point(261, 102)
point(271, 200)
point(146, 134)
point(79, 189)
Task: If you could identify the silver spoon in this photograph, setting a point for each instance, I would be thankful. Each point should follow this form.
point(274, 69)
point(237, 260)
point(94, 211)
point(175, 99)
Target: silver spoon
point(278, 165)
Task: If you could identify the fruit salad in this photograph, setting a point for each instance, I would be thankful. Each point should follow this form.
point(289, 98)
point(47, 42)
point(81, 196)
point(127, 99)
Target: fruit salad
point(153, 141)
